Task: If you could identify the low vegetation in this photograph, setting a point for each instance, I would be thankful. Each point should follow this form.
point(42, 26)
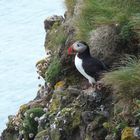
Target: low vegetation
point(57, 37)
point(70, 6)
point(125, 80)
point(104, 12)
point(126, 31)
point(29, 125)
point(53, 71)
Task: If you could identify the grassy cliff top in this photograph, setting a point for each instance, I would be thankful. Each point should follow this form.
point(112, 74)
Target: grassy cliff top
point(95, 13)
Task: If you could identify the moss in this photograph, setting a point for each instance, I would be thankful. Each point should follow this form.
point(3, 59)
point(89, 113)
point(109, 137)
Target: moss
point(72, 79)
point(56, 101)
point(56, 24)
point(106, 125)
point(53, 72)
point(65, 110)
point(55, 134)
point(127, 134)
point(98, 120)
point(76, 119)
point(59, 85)
point(88, 137)
point(72, 118)
point(29, 124)
point(10, 136)
point(55, 105)
point(42, 134)
point(23, 109)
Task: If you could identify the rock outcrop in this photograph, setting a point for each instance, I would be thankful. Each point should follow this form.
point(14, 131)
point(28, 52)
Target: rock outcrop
point(48, 23)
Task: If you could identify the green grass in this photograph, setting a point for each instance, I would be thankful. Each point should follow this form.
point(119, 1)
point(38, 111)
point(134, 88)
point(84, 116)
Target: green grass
point(103, 12)
point(70, 6)
point(56, 37)
point(125, 80)
point(60, 38)
point(53, 71)
point(126, 32)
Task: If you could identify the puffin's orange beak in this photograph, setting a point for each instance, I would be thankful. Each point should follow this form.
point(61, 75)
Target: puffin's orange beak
point(71, 50)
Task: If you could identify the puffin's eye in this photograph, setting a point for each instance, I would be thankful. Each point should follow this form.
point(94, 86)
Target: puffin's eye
point(78, 45)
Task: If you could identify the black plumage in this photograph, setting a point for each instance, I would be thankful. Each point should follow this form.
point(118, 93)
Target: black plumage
point(91, 65)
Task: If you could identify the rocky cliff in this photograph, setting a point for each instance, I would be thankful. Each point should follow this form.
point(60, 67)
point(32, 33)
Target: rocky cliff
point(65, 107)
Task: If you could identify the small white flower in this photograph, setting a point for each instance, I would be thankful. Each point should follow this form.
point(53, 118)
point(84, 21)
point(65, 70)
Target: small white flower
point(53, 126)
point(31, 135)
point(24, 125)
point(45, 110)
point(22, 132)
point(42, 117)
point(56, 119)
point(47, 105)
point(31, 115)
point(60, 129)
point(102, 107)
point(16, 128)
point(50, 100)
point(45, 65)
point(39, 65)
point(48, 84)
point(64, 121)
point(36, 119)
point(25, 114)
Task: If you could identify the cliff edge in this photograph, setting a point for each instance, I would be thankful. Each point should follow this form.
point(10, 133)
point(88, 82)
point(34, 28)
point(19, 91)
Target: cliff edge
point(65, 107)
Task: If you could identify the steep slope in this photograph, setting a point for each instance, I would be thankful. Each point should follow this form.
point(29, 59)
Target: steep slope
point(65, 108)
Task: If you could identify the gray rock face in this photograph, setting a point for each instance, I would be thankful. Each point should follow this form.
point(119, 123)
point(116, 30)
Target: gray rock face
point(74, 91)
point(104, 42)
point(48, 23)
point(137, 132)
point(87, 116)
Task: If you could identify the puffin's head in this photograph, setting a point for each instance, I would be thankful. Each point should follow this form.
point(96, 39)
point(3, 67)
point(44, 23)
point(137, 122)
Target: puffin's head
point(78, 46)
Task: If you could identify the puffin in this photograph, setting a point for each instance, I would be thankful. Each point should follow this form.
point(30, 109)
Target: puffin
point(90, 67)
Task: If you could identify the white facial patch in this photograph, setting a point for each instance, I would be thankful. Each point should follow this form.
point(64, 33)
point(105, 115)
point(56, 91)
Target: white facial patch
point(79, 47)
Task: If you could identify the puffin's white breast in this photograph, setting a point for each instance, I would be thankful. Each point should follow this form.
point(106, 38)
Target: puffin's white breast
point(78, 64)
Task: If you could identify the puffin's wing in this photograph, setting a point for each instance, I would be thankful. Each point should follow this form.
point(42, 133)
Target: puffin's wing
point(92, 66)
